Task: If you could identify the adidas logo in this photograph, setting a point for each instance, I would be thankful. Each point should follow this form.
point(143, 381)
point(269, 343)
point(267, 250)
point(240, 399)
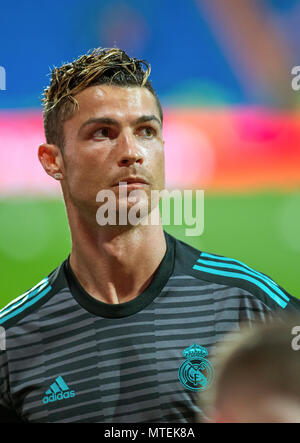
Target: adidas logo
point(59, 390)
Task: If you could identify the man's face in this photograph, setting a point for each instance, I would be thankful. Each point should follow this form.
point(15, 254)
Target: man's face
point(115, 134)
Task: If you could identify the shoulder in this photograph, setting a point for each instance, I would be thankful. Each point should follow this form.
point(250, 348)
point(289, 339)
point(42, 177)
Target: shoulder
point(31, 300)
point(235, 274)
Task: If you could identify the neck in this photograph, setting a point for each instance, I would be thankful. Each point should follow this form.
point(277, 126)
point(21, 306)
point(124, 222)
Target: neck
point(114, 264)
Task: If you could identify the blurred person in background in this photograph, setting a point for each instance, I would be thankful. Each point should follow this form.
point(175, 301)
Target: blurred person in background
point(102, 337)
point(257, 376)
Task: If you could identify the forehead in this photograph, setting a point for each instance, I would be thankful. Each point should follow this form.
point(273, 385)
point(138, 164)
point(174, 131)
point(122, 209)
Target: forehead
point(122, 102)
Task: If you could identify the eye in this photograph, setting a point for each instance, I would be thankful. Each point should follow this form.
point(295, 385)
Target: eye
point(147, 131)
point(102, 133)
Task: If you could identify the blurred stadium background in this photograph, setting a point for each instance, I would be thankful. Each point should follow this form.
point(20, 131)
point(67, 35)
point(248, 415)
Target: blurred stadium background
point(222, 70)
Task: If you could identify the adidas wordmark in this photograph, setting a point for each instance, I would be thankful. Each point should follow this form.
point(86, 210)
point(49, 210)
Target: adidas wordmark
point(59, 390)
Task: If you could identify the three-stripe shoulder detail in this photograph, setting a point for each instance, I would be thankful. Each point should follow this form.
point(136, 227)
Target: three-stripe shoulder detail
point(234, 269)
point(25, 301)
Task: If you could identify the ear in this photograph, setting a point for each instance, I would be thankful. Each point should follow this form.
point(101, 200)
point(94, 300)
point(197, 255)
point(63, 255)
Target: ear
point(51, 159)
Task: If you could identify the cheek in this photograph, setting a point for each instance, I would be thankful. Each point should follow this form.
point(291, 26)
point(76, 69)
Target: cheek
point(154, 154)
point(87, 162)
point(85, 175)
point(160, 157)
point(158, 168)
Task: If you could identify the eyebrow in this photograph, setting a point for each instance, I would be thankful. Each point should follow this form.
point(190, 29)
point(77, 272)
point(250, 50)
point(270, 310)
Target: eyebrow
point(112, 121)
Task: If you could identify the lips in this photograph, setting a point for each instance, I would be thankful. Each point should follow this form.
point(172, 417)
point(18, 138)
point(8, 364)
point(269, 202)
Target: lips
point(132, 180)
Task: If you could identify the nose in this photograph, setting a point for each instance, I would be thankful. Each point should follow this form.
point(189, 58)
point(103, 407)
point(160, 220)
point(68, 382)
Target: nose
point(129, 152)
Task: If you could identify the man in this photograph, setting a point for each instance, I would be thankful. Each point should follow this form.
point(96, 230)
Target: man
point(258, 377)
point(123, 329)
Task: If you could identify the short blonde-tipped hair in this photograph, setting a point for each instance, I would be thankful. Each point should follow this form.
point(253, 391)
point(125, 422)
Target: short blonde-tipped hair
point(101, 66)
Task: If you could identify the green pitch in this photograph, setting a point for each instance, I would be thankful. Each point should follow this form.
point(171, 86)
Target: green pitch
point(262, 230)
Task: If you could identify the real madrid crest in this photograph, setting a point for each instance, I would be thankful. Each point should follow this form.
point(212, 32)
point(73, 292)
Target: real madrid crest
point(196, 372)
